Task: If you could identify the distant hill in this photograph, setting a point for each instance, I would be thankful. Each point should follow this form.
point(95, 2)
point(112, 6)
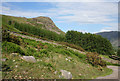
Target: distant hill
point(112, 36)
point(42, 22)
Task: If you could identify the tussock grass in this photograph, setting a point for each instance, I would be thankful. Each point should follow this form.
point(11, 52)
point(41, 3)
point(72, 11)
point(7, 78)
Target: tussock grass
point(50, 59)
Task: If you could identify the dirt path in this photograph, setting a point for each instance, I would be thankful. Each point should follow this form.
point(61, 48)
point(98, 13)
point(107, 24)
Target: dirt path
point(114, 75)
point(33, 38)
point(110, 60)
point(44, 41)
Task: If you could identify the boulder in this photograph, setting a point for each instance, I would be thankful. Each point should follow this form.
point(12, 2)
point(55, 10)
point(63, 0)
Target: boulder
point(29, 59)
point(66, 74)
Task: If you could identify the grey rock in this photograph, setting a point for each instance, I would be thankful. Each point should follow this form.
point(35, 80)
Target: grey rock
point(14, 54)
point(29, 59)
point(66, 74)
point(55, 72)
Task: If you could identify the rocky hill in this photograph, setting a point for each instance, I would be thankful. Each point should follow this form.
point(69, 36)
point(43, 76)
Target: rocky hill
point(42, 22)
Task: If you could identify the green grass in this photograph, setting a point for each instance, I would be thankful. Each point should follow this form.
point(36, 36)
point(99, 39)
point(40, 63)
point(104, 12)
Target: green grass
point(106, 56)
point(9, 47)
point(50, 58)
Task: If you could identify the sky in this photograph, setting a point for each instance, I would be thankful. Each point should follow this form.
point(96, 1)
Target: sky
point(79, 15)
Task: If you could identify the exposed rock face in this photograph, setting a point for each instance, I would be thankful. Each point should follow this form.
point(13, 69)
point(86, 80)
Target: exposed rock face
point(47, 24)
point(29, 59)
point(66, 74)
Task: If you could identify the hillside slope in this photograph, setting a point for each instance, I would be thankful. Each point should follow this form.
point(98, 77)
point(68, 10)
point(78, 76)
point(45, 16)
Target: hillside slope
point(40, 22)
point(112, 36)
point(50, 60)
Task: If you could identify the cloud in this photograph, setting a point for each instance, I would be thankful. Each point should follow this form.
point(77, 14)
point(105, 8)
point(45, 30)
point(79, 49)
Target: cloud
point(84, 12)
point(29, 14)
point(87, 12)
point(60, 0)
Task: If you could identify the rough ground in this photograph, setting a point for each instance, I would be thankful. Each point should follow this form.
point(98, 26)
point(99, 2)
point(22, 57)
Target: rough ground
point(114, 75)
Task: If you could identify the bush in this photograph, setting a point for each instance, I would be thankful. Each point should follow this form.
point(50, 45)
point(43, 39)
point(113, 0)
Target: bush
point(10, 47)
point(10, 38)
point(5, 35)
point(30, 51)
point(15, 39)
point(95, 59)
point(43, 53)
point(45, 46)
point(118, 52)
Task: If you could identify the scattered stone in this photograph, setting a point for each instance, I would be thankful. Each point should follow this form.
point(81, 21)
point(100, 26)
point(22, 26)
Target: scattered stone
point(66, 74)
point(38, 60)
point(4, 59)
point(55, 72)
point(29, 59)
point(66, 59)
point(13, 60)
point(80, 74)
point(14, 54)
point(16, 66)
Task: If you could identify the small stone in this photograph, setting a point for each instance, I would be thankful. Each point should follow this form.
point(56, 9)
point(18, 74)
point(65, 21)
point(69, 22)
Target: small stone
point(13, 60)
point(80, 74)
point(16, 66)
point(19, 76)
point(14, 54)
point(66, 59)
point(55, 72)
point(38, 60)
point(66, 74)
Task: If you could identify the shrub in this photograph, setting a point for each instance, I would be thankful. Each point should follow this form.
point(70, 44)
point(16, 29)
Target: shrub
point(118, 52)
point(43, 53)
point(95, 59)
point(30, 51)
point(15, 39)
point(5, 35)
point(10, 38)
point(45, 46)
point(10, 47)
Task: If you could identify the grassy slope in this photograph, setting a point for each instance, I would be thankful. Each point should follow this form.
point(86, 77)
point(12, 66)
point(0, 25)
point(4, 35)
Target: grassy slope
point(6, 18)
point(50, 58)
point(53, 58)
